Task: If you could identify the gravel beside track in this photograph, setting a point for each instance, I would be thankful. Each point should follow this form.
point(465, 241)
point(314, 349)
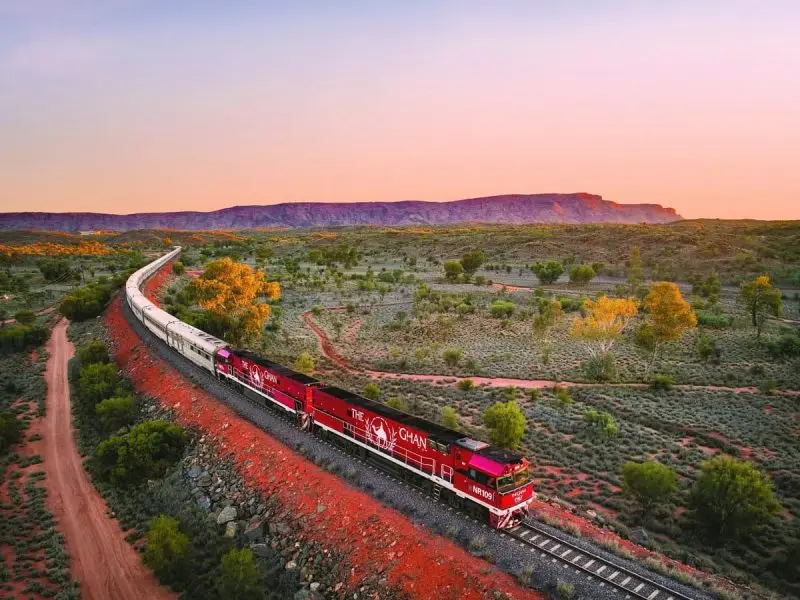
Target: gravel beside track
point(506, 552)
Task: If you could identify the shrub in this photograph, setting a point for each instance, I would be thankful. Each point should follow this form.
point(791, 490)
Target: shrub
point(178, 268)
point(786, 346)
point(21, 337)
point(372, 391)
point(239, 576)
point(705, 347)
point(645, 336)
point(145, 452)
point(565, 590)
point(548, 273)
point(581, 274)
point(501, 309)
point(506, 424)
point(649, 482)
point(166, 547)
point(452, 356)
point(88, 301)
point(11, 430)
point(93, 352)
point(305, 363)
point(732, 497)
point(466, 385)
point(116, 412)
point(662, 382)
point(601, 367)
point(397, 404)
point(602, 421)
point(450, 418)
point(712, 320)
point(768, 387)
point(25, 316)
point(97, 382)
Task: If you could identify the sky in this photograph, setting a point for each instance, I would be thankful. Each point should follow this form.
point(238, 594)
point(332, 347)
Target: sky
point(145, 105)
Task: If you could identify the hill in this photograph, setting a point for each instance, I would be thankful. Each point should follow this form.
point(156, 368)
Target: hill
point(508, 209)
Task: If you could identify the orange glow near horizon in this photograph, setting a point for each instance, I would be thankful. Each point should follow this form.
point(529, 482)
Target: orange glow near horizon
point(688, 107)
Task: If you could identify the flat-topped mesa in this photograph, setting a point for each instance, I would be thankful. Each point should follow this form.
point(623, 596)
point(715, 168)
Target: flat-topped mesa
point(514, 209)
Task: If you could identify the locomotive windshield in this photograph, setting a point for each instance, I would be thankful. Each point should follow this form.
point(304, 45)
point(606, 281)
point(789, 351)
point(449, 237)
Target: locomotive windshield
point(513, 481)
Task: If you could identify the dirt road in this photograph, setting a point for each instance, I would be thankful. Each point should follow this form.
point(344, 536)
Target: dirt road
point(106, 566)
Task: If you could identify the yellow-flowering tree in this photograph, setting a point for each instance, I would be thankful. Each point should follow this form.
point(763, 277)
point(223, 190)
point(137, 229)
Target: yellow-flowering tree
point(229, 291)
point(605, 320)
point(670, 314)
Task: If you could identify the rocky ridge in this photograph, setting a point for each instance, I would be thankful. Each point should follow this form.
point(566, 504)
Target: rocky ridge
point(507, 209)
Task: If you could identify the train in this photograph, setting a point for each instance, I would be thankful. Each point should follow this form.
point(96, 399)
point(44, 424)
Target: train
point(491, 484)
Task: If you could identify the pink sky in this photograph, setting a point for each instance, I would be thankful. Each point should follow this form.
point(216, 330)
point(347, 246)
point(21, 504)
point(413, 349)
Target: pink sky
point(125, 106)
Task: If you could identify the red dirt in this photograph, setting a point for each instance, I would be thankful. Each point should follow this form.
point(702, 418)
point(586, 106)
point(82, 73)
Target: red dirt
point(156, 283)
point(104, 563)
point(352, 331)
point(372, 535)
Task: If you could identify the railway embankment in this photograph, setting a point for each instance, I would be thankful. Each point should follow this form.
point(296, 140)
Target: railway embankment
point(384, 551)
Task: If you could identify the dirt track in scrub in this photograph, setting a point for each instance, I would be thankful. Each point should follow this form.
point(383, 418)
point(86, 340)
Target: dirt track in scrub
point(332, 354)
point(104, 563)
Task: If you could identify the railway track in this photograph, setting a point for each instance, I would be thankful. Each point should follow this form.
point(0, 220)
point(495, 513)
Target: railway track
point(633, 585)
point(630, 585)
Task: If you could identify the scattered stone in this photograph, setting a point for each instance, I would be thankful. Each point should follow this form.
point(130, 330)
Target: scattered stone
point(640, 536)
point(231, 528)
point(291, 565)
point(226, 515)
point(194, 472)
point(204, 502)
point(315, 585)
point(260, 550)
point(320, 508)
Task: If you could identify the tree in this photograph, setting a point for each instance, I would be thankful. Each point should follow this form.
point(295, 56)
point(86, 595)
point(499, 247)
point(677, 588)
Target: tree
point(97, 382)
point(93, 352)
point(239, 577)
point(305, 363)
point(732, 497)
point(506, 423)
point(605, 320)
point(449, 418)
point(635, 272)
point(452, 356)
point(372, 391)
point(229, 290)
point(397, 404)
point(548, 273)
point(25, 316)
point(166, 546)
point(602, 421)
point(116, 412)
point(145, 452)
point(452, 270)
point(581, 274)
point(669, 314)
point(472, 260)
point(649, 482)
point(550, 313)
point(760, 298)
point(11, 430)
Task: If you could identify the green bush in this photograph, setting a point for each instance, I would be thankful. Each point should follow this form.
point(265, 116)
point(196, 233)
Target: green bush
point(25, 316)
point(506, 424)
point(88, 301)
point(116, 412)
point(145, 452)
point(97, 382)
point(466, 385)
point(449, 418)
point(166, 547)
point(501, 309)
point(93, 352)
point(397, 404)
point(662, 382)
point(11, 430)
point(452, 356)
point(786, 346)
point(178, 268)
point(21, 337)
point(372, 391)
point(601, 368)
point(239, 576)
point(712, 320)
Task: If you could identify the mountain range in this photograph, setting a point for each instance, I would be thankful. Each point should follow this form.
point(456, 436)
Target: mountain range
point(507, 209)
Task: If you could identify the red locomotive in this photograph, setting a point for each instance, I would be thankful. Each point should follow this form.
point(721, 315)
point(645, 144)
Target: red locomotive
point(490, 483)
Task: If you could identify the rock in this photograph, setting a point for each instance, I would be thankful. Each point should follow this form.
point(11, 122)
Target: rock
point(254, 531)
point(315, 585)
point(231, 528)
point(291, 565)
point(226, 515)
point(261, 550)
point(639, 536)
point(194, 472)
point(320, 508)
point(308, 595)
point(204, 502)
point(283, 528)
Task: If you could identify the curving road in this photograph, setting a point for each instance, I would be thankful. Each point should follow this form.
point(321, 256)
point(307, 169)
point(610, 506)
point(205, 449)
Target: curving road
point(104, 563)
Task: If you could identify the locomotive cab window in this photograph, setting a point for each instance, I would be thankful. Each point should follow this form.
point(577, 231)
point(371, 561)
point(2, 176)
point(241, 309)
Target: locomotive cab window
point(443, 448)
point(505, 483)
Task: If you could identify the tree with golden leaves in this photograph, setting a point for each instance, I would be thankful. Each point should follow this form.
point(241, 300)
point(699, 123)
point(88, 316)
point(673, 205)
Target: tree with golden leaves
point(670, 315)
point(761, 299)
point(605, 320)
point(230, 292)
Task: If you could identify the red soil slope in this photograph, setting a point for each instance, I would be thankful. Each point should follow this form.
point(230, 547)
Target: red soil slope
point(374, 537)
point(104, 563)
